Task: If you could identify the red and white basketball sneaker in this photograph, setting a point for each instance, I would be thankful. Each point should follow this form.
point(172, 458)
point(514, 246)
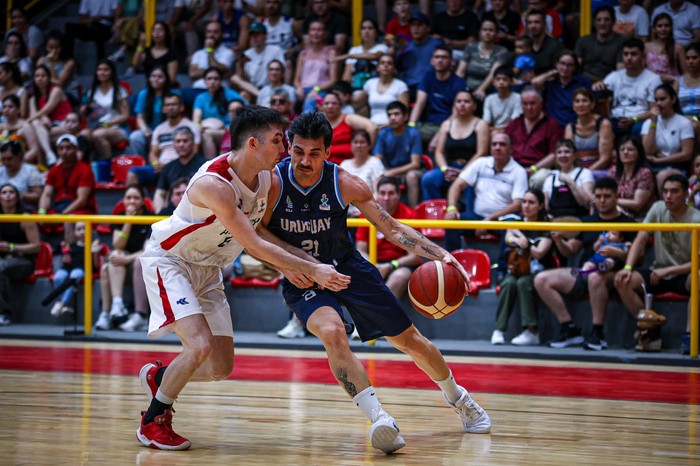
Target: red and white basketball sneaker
point(147, 375)
point(159, 434)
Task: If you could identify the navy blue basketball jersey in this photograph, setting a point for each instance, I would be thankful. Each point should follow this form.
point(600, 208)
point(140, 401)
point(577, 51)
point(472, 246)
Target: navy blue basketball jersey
point(314, 218)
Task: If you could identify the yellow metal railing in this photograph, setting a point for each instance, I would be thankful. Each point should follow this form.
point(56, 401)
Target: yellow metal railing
point(90, 220)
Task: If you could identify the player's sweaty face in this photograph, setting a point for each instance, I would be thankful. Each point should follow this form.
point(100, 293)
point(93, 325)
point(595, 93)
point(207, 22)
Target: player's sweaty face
point(308, 156)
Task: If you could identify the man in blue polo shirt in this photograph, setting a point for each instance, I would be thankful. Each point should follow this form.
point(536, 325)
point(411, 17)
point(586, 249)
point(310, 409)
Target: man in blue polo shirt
point(435, 95)
point(414, 61)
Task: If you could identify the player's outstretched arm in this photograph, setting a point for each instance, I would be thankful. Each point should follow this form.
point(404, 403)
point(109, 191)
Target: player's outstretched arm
point(355, 191)
point(214, 194)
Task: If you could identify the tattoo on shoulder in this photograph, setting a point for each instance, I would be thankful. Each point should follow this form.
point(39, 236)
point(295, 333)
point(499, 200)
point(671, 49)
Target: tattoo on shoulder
point(349, 387)
point(408, 242)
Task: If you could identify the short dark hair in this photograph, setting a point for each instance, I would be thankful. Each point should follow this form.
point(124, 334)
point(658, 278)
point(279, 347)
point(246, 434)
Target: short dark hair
point(172, 94)
point(442, 47)
point(361, 132)
point(341, 86)
point(392, 180)
point(607, 8)
point(633, 43)
point(539, 13)
point(527, 40)
point(504, 70)
point(184, 130)
point(252, 121)
point(606, 183)
point(678, 178)
point(397, 105)
point(311, 125)
point(12, 98)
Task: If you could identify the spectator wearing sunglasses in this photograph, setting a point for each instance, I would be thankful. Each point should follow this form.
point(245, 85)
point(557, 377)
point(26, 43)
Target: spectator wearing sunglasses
point(275, 77)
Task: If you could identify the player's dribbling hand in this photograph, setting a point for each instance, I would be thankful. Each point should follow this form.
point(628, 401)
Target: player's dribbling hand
point(449, 259)
point(327, 277)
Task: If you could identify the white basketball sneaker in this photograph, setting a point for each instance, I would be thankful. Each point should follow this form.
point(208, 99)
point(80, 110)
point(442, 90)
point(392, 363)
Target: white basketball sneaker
point(384, 435)
point(474, 418)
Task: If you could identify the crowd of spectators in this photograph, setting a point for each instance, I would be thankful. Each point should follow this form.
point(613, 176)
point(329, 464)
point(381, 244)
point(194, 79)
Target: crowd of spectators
point(503, 97)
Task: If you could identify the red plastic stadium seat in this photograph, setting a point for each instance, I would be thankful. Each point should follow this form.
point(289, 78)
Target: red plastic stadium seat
point(433, 209)
point(671, 296)
point(478, 265)
point(427, 162)
point(240, 282)
point(122, 164)
point(43, 264)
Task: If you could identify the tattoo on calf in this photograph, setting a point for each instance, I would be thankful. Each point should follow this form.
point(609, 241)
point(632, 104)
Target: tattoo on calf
point(349, 387)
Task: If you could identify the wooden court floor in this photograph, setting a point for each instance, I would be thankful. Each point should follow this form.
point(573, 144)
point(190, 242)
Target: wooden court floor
point(78, 404)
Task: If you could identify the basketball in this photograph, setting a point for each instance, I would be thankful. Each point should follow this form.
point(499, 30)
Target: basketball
point(436, 289)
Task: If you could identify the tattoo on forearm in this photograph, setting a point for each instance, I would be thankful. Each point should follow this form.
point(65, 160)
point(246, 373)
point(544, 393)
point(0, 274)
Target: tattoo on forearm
point(429, 251)
point(383, 215)
point(407, 242)
point(342, 376)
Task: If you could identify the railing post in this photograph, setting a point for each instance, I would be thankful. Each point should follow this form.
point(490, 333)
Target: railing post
point(694, 267)
point(87, 298)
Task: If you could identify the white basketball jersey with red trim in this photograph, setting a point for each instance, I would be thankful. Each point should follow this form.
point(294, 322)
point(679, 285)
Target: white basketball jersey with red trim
point(195, 235)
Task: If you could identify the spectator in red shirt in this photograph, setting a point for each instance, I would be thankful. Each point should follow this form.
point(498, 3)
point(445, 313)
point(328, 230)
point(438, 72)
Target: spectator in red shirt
point(400, 25)
point(534, 133)
point(393, 262)
point(70, 185)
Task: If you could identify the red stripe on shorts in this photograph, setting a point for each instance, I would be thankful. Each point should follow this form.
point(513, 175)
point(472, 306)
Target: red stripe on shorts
point(167, 309)
point(174, 239)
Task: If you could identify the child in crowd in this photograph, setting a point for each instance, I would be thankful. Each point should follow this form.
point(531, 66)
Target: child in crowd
point(505, 105)
point(524, 65)
point(601, 263)
point(72, 262)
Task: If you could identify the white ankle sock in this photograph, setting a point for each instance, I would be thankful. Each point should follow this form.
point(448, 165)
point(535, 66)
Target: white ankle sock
point(163, 398)
point(450, 388)
point(368, 403)
point(117, 301)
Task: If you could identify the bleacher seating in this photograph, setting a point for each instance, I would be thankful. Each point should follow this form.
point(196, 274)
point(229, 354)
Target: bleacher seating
point(433, 209)
point(43, 263)
point(478, 265)
point(121, 165)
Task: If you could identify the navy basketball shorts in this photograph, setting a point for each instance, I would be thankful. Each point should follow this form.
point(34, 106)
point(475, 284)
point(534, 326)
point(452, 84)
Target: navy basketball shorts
point(374, 309)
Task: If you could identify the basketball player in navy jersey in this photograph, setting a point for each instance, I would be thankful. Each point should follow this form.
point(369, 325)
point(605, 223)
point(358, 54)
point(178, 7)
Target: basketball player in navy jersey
point(309, 200)
point(215, 220)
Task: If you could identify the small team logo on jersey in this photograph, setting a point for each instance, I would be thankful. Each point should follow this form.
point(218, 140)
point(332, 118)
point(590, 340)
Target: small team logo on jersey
point(324, 203)
point(261, 205)
point(290, 206)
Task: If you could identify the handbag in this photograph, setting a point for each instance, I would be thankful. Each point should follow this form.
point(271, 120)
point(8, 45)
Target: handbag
point(518, 263)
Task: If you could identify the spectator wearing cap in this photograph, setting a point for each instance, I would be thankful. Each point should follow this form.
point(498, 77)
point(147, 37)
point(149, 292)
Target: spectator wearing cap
point(275, 82)
point(251, 70)
point(415, 60)
point(457, 26)
point(70, 185)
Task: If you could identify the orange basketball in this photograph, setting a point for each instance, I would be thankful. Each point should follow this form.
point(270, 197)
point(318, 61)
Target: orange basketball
point(436, 289)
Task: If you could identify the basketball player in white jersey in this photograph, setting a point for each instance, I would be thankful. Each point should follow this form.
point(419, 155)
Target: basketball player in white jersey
point(216, 219)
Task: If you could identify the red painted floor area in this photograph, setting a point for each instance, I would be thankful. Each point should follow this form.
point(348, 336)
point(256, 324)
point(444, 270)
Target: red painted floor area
point(617, 384)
